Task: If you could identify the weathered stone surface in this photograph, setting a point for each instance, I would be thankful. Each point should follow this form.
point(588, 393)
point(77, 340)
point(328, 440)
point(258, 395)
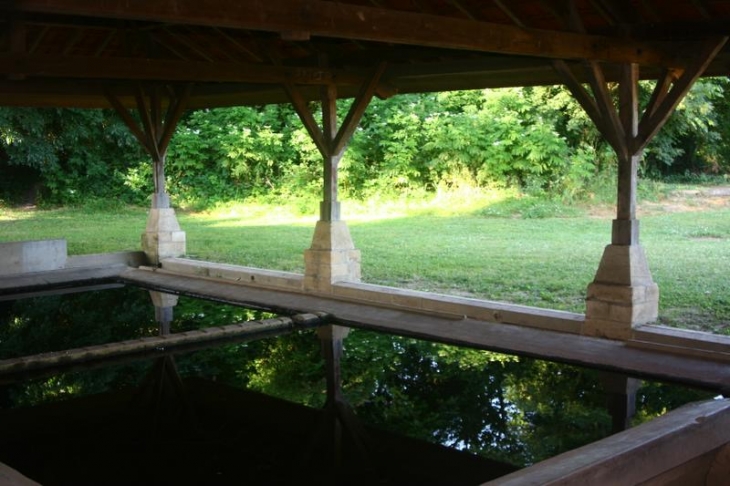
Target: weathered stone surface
point(331, 258)
point(246, 275)
point(623, 294)
point(163, 237)
point(32, 256)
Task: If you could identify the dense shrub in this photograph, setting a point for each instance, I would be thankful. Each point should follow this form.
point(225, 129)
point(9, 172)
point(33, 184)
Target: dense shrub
point(536, 139)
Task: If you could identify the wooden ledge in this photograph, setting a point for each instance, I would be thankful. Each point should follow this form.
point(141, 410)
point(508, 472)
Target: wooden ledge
point(681, 446)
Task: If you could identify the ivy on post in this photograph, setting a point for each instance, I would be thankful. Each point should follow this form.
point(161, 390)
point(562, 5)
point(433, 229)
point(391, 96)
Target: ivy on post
point(623, 294)
point(332, 256)
point(159, 108)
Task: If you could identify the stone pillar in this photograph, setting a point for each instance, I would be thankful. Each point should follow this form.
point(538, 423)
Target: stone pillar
point(332, 257)
point(622, 295)
point(163, 237)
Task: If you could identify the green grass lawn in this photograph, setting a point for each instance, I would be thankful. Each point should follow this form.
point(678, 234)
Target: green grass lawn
point(469, 246)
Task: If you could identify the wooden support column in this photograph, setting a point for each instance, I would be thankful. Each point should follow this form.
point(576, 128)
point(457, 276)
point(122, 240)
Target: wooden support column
point(623, 294)
point(620, 399)
point(163, 237)
point(332, 256)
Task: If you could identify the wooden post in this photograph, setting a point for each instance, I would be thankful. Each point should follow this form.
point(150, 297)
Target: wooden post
point(623, 294)
point(330, 206)
point(620, 399)
point(332, 257)
point(163, 237)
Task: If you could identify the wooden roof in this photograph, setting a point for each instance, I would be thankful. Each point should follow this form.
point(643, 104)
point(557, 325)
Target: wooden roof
point(72, 52)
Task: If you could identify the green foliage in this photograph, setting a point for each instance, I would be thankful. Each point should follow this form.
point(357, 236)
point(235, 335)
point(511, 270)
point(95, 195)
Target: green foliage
point(694, 139)
point(536, 139)
point(68, 155)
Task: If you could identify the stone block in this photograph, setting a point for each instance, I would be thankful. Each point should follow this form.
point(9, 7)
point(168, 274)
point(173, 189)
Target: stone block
point(623, 294)
point(623, 265)
point(32, 256)
point(162, 237)
point(332, 257)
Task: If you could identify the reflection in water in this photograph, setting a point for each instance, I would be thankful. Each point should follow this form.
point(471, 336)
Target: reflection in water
point(197, 418)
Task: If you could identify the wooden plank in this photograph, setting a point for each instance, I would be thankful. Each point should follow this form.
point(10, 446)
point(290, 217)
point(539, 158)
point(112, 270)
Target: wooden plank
point(553, 346)
point(338, 20)
point(636, 455)
point(129, 258)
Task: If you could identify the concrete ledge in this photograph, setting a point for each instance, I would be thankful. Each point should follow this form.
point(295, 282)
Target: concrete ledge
point(19, 257)
point(273, 279)
point(483, 310)
point(129, 258)
point(412, 300)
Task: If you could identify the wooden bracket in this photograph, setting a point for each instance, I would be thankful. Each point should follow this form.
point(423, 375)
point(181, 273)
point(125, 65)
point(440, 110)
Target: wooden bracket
point(157, 128)
point(332, 140)
point(624, 131)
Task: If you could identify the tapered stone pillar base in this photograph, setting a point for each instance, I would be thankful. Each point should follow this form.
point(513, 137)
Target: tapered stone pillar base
point(332, 257)
point(162, 237)
point(164, 305)
point(623, 294)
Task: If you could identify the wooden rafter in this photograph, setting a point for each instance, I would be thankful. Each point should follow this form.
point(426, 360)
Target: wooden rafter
point(171, 71)
point(333, 19)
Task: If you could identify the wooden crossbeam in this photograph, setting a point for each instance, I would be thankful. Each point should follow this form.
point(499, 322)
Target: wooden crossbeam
point(169, 70)
point(357, 22)
point(331, 140)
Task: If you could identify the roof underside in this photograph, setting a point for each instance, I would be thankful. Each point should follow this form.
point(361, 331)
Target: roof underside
point(74, 52)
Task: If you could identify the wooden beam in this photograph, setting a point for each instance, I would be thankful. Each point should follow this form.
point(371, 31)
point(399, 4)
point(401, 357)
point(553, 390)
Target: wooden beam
point(300, 106)
point(639, 455)
point(168, 70)
point(612, 124)
point(339, 20)
point(129, 121)
point(359, 105)
point(589, 103)
point(174, 113)
point(650, 125)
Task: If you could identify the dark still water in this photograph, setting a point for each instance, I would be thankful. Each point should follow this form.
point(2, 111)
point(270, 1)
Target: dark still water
point(414, 412)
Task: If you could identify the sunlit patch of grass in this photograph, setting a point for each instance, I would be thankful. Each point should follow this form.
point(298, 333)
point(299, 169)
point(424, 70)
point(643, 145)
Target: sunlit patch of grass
point(235, 214)
point(444, 243)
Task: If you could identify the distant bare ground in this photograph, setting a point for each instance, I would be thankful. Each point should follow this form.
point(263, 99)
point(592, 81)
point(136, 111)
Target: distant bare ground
point(690, 200)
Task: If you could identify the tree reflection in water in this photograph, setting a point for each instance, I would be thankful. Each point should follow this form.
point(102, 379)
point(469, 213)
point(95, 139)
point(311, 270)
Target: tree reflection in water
point(508, 408)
